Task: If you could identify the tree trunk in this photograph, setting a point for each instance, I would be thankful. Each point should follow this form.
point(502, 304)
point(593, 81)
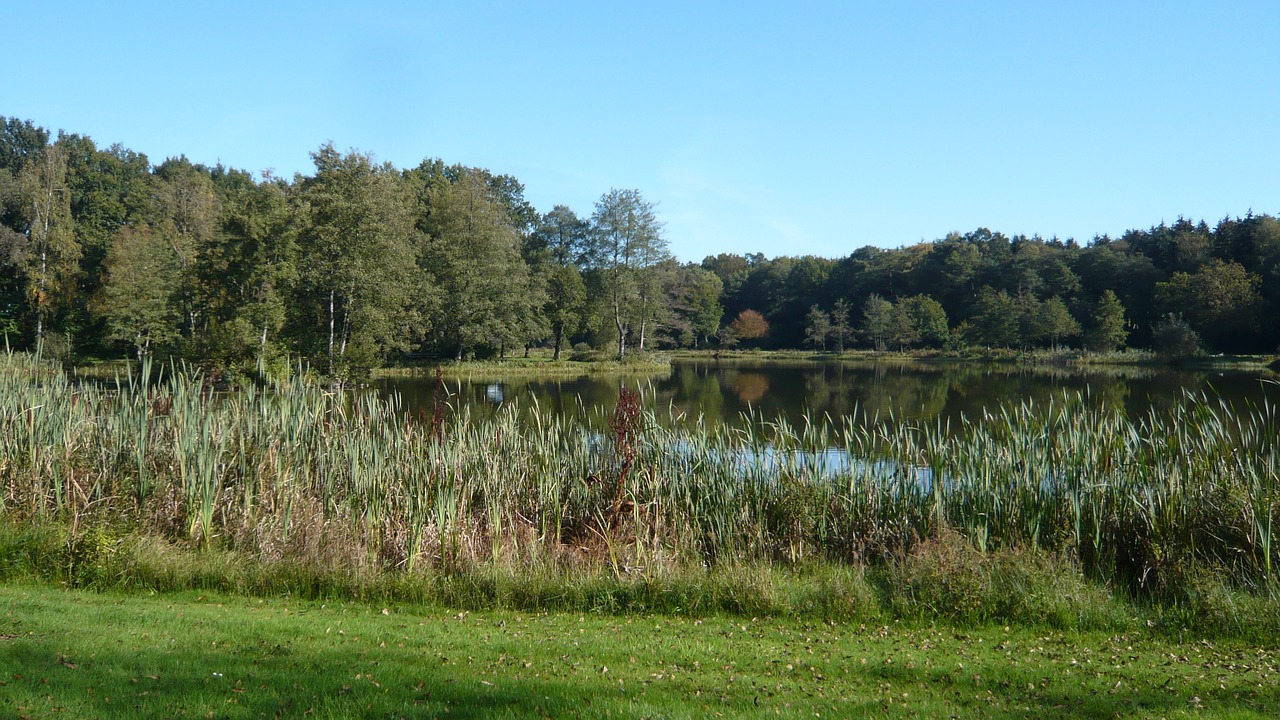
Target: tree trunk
point(345, 335)
point(44, 265)
point(331, 332)
point(559, 334)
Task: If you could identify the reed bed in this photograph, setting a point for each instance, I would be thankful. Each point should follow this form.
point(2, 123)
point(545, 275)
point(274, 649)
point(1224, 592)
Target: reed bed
point(298, 473)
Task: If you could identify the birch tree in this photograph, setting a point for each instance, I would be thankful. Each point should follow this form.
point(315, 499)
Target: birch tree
point(359, 253)
point(625, 245)
point(53, 256)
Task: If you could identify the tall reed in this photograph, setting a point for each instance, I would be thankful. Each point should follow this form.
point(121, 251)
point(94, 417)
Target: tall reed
point(299, 470)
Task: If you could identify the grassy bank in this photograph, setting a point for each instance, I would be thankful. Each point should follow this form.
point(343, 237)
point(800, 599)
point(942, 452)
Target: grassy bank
point(940, 580)
point(306, 490)
point(85, 655)
point(1031, 358)
point(540, 364)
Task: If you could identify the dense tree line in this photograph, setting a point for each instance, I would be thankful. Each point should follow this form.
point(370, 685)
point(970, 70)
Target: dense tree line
point(103, 253)
point(1177, 288)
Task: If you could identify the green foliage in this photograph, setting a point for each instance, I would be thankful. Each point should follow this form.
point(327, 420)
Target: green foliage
point(138, 295)
point(625, 246)
point(487, 296)
point(926, 319)
point(878, 321)
point(352, 266)
point(841, 331)
point(50, 263)
point(566, 303)
point(693, 311)
point(1219, 300)
point(1054, 322)
point(358, 248)
point(996, 322)
point(257, 251)
point(817, 328)
point(1109, 329)
point(1174, 339)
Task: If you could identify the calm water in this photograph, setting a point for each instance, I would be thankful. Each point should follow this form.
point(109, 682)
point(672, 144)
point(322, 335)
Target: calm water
point(722, 391)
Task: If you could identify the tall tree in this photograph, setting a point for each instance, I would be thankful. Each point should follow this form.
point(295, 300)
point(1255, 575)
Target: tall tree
point(562, 236)
point(255, 256)
point(111, 188)
point(20, 142)
point(904, 331)
point(1108, 331)
point(54, 255)
point(841, 329)
point(1055, 323)
point(693, 310)
point(995, 320)
point(188, 210)
point(359, 254)
point(817, 328)
point(474, 255)
point(1219, 301)
point(137, 298)
point(566, 302)
point(626, 244)
point(928, 319)
point(877, 321)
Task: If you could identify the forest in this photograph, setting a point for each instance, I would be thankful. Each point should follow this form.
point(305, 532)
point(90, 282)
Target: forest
point(358, 264)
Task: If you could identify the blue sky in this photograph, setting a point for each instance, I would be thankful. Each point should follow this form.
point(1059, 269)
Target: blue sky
point(786, 128)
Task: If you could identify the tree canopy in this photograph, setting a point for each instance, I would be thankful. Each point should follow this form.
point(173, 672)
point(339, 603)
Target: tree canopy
point(103, 253)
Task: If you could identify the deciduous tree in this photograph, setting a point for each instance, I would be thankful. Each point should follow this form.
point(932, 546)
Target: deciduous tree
point(138, 293)
point(359, 253)
point(877, 321)
point(52, 259)
point(487, 297)
point(626, 243)
point(1108, 331)
point(750, 325)
point(817, 328)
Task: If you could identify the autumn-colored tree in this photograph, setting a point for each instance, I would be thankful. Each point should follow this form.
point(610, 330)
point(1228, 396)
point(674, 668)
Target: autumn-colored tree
point(750, 325)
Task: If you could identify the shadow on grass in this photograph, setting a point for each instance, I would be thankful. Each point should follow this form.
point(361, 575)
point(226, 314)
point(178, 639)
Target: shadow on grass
point(208, 683)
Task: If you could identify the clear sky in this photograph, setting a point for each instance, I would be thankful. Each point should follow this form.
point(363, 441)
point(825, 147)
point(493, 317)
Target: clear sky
point(786, 128)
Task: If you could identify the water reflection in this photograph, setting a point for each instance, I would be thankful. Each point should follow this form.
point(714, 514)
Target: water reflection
point(720, 392)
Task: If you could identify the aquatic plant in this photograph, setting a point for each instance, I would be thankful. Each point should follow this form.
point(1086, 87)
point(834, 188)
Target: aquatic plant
point(302, 472)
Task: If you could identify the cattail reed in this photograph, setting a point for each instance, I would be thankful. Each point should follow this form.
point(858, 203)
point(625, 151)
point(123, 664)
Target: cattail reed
point(356, 479)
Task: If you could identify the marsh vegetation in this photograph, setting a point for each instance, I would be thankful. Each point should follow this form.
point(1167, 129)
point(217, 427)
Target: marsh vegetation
point(1014, 513)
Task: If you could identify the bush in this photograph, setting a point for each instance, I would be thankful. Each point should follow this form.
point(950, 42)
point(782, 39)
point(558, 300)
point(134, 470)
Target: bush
point(582, 352)
point(1174, 339)
point(947, 577)
point(944, 576)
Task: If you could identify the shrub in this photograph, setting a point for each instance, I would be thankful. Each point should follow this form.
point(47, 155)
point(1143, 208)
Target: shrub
point(1173, 339)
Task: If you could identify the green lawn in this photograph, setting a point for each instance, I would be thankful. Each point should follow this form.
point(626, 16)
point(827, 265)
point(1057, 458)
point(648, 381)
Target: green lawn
point(87, 655)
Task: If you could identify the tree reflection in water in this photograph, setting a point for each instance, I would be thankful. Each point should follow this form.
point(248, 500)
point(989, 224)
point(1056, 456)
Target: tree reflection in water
point(721, 392)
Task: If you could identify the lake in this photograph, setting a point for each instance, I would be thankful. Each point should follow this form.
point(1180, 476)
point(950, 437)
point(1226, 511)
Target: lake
point(722, 391)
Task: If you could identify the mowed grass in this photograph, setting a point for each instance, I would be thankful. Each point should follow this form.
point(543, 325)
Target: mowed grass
point(75, 654)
